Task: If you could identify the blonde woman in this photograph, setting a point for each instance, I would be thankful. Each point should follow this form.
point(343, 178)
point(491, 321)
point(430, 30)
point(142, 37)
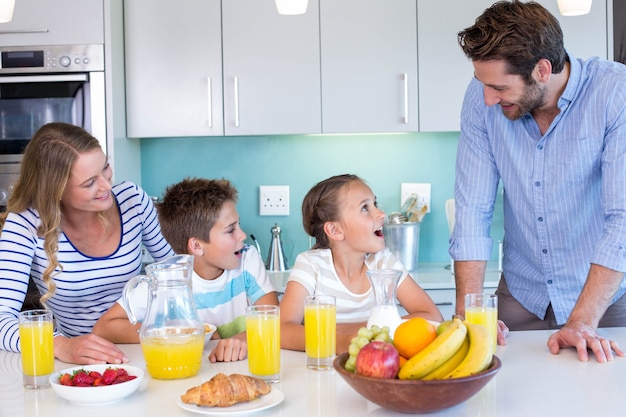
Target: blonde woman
point(78, 236)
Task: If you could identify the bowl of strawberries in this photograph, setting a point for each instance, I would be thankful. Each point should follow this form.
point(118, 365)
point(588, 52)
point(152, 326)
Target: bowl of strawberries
point(96, 384)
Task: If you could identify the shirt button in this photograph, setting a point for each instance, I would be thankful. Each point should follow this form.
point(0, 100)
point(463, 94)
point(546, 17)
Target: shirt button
point(537, 183)
point(549, 281)
point(540, 219)
point(544, 251)
point(540, 147)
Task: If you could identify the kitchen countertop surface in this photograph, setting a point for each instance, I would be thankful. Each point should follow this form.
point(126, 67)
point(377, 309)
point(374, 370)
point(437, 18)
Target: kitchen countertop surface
point(437, 276)
point(531, 382)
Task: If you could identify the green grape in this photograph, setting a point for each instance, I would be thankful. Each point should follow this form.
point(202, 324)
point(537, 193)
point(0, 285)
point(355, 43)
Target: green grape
point(385, 330)
point(375, 330)
point(366, 333)
point(351, 364)
point(354, 349)
point(382, 337)
point(362, 341)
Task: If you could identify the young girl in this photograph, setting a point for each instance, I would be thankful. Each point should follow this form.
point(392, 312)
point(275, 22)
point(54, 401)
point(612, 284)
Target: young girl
point(341, 214)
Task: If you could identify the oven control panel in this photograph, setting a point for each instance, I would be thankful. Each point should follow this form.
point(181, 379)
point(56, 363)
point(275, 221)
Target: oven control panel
point(48, 59)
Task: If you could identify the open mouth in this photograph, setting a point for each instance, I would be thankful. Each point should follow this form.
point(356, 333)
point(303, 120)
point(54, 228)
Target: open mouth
point(379, 232)
point(241, 251)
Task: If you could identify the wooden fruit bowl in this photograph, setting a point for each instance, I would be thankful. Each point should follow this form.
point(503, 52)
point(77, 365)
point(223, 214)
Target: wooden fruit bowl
point(416, 396)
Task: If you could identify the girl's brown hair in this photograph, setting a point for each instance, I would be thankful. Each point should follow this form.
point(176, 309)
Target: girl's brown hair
point(322, 204)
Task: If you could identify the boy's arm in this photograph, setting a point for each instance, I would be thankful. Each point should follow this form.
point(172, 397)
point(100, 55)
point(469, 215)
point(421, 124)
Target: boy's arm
point(115, 326)
point(268, 299)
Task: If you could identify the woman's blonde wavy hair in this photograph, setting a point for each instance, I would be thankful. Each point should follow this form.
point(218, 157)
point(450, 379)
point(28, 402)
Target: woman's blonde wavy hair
point(46, 167)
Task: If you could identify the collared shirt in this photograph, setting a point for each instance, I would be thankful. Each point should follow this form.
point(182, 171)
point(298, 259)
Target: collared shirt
point(564, 192)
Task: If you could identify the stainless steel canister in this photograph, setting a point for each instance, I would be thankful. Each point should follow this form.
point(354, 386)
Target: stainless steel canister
point(403, 240)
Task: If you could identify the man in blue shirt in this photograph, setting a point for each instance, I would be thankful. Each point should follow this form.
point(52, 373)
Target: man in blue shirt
point(552, 128)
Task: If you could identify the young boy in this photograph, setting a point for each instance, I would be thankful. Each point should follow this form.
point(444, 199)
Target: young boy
point(198, 217)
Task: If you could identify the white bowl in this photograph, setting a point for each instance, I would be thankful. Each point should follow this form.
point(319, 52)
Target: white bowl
point(100, 395)
point(209, 329)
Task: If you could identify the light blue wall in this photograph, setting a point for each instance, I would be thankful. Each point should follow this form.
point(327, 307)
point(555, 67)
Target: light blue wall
point(384, 161)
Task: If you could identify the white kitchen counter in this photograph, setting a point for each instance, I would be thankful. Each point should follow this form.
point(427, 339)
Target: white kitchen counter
point(437, 276)
point(531, 382)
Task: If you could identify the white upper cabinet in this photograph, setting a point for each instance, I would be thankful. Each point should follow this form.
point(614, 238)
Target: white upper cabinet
point(54, 22)
point(175, 55)
point(445, 71)
point(271, 69)
point(369, 65)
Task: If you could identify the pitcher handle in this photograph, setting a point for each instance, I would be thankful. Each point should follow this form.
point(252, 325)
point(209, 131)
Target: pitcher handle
point(130, 286)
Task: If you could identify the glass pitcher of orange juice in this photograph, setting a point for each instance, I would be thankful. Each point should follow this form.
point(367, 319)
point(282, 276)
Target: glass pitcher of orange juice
point(171, 333)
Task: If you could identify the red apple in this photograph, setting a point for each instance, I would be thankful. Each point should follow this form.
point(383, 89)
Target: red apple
point(378, 359)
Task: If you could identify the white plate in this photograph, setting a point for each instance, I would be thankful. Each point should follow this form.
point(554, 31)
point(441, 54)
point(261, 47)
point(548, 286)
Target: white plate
point(274, 397)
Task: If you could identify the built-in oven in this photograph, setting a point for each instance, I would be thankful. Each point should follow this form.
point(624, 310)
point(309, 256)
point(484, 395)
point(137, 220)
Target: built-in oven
point(46, 84)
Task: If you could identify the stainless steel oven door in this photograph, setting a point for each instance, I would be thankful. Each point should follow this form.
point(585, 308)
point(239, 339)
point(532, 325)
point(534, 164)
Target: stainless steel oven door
point(27, 102)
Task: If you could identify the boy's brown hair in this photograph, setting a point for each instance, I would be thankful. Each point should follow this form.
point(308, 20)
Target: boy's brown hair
point(190, 208)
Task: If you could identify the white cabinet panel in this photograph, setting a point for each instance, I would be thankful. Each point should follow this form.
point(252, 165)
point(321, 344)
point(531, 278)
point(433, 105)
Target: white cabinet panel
point(173, 68)
point(201, 68)
point(271, 69)
point(369, 65)
point(54, 22)
point(445, 301)
point(444, 71)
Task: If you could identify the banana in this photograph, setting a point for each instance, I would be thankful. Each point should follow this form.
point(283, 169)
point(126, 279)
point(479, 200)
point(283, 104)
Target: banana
point(449, 365)
point(479, 354)
point(436, 353)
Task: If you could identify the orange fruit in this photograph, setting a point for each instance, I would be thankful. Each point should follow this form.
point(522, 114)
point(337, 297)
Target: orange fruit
point(402, 360)
point(413, 335)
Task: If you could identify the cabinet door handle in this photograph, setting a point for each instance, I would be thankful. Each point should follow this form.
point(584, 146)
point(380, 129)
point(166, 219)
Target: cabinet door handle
point(210, 102)
point(444, 303)
point(23, 31)
point(236, 101)
point(405, 77)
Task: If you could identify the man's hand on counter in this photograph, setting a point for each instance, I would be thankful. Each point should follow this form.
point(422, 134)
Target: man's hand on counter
point(583, 338)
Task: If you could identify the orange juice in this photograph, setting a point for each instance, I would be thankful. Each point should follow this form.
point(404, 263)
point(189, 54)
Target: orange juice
point(488, 317)
point(37, 348)
point(263, 334)
point(173, 356)
point(320, 330)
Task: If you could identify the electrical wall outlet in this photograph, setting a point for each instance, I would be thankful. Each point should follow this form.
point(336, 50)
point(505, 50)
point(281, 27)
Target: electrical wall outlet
point(274, 200)
point(421, 189)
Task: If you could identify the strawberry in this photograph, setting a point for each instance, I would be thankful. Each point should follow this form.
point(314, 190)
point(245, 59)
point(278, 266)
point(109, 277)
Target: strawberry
point(66, 379)
point(95, 374)
point(123, 378)
point(82, 379)
point(109, 376)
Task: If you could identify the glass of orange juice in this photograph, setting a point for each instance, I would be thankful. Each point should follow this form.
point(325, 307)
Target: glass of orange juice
point(320, 331)
point(263, 336)
point(483, 309)
point(36, 347)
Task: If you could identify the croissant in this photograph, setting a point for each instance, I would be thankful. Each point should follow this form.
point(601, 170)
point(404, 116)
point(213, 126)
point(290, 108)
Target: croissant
point(223, 390)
